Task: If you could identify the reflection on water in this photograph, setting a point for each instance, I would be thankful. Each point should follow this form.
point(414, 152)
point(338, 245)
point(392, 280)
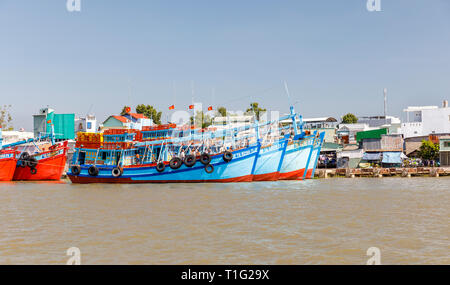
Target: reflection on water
point(331, 221)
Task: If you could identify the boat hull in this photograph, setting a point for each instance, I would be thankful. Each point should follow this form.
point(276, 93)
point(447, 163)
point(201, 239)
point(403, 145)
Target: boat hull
point(312, 164)
point(50, 166)
point(239, 169)
point(268, 162)
point(8, 164)
point(295, 159)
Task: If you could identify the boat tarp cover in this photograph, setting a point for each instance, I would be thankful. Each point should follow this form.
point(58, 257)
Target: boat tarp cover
point(372, 156)
point(392, 157)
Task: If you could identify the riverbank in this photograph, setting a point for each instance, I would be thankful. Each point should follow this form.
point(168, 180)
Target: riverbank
point(383, 172)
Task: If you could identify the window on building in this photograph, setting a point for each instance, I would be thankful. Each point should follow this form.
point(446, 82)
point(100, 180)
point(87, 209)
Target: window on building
point(89, 125)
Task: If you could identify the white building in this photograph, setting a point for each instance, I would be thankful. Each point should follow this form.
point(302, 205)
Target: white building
point(378, 121)
point(86, 124)
point(127, 121)
point(389, 122)
point(137, 121)
point(426, 120)
point(347, 132)
point(8, 137)
point(320, 123)
point(233, 121)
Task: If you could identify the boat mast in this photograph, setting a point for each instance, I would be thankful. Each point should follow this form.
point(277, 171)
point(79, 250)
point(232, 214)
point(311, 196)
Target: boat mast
point(291, 108)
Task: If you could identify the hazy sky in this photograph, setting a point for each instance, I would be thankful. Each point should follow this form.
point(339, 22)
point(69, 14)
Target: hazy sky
point(335, 55)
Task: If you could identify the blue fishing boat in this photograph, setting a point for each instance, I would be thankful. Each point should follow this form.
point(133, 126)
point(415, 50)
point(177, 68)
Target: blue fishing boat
point(235, 154)
point(298, 150)
point(312, 163)
point(231, 166)
point(194, 158)
point(269, 160)
point(296, 157)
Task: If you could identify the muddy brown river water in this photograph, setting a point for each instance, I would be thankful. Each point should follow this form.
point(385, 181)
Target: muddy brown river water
point(327, 221)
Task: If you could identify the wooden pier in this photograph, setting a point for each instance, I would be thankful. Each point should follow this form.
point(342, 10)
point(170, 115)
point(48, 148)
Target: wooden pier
point(383, 172)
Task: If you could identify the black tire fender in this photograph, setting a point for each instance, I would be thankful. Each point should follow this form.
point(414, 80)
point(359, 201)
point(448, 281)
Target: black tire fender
point(189, 160)
point(23, 163)
point(209, 168)
point(75, 169)
point(160, 167)
point(116, 172)
point(24, 156)
point(227, 156)
point(32, 162)
point(93, 170)
point(205, 158)
point(175, 163)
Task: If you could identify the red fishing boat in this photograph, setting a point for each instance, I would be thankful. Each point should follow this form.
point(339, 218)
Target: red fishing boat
point(8, 163)
point(45, 165)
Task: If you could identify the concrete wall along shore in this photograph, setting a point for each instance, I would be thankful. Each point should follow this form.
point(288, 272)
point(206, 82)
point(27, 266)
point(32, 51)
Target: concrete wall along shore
point(383, 172)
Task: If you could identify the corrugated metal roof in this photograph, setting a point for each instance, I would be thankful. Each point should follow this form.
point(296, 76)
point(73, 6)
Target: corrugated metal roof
point(391, 141)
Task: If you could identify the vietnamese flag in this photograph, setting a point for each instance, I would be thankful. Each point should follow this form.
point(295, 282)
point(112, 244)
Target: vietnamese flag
point(191, 107)
point(210, 108)
point(171, 107)
point(49, 121)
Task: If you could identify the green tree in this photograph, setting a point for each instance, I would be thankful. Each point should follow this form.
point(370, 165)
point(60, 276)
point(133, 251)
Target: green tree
point(201, 120)
point(256, 110)
point(150, 112)
point(429, 150)
point(6, 118)
point(222, 111)
point(124, 110)
point(349, 119)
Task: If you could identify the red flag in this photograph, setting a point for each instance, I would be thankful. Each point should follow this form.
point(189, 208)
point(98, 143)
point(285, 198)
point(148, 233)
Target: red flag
point(128, 110)
point(171, 107)
point(210, 108)
point(49, 121)
point(191, 107)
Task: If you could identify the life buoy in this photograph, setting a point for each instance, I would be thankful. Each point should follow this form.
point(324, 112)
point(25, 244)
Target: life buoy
point(209, 168)
point(160, 167)
point(175, 163)
point(189, 160)
point(205, 158)
point(93, 170)
point(116, 172)
point(76, 169)
point(33, 171)
point(227, 156)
